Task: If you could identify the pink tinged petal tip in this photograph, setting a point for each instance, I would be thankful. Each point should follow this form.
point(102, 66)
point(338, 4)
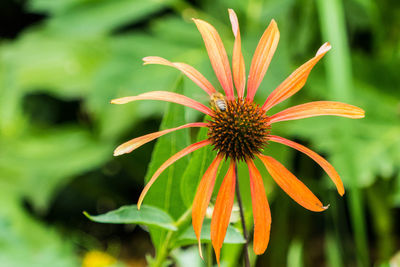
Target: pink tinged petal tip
point(222, 210)
point(318, 108)
point(328, 168)
point(291, 185)
point(295, 81)
point(217, 54)
point(169, 162)
point(238, 67)
point(188, 70)
point(166, 96)
point(131, 145)
point(261, 210)
point(262, 58)
point(202, 198)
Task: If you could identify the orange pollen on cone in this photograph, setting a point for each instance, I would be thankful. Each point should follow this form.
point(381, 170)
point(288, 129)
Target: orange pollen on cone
point(240, 131)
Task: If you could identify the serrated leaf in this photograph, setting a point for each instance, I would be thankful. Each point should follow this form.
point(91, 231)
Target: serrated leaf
point(147, 215)
point(233, 235)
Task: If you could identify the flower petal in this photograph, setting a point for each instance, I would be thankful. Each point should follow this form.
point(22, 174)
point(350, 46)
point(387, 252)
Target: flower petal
point(202, 198)
point(167, 163)
point(291, 185)
point(262, 57)
point(261, 211)
point(295, 81)
point(318, 108)
point(222, 210)
point(238, 67)
point(165, 96)
point(131, 145)
point(328, 168)
point(188, 70)
point(217, 54)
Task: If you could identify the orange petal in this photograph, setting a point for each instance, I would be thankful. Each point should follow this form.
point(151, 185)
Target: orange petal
point(165, 96)
point(261, 211)
point(318, 108)
point(238, 68)
point(131, 145)
point(217, 54)
point(188, 70)
point(203, 196)
point(295, 81)
point(167, 163)
point(328, 168)
point(262, 57)
point(291, 185)
point(222, 210)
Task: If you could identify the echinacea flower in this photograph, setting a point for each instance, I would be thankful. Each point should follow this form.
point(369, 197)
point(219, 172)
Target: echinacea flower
point(240, 129)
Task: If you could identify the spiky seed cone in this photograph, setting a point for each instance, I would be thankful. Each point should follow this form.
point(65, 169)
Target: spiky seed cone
point(239, 132)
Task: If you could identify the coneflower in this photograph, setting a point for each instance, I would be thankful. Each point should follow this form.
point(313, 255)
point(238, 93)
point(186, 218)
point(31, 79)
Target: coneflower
point(241, 130)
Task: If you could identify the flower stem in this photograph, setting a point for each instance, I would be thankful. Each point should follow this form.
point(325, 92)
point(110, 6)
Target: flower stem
point(239, 199)
point(209, 255)
point(164, 250)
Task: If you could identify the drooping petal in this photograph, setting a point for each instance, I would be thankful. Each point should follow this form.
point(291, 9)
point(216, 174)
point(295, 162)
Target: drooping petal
point(262, 57)
point(261, 211)
point(291, 185)
point(328, 168)
point(238, 67)
point(202, 198)
point(295, 81)
point(217, 54)
point(131, 145)
point(167, 163)
point(166, 96)
point(318, 108)
point(222, 210)
point(188, 70)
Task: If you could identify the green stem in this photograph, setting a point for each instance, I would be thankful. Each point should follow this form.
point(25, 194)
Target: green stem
point(339, 72)
point(382, 222)
point(245, 236)
point(209, 255)
point(163, 252)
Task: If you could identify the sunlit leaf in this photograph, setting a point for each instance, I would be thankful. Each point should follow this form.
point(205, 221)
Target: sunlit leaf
point(198, 164)
point(147, 215)
point(164, 193)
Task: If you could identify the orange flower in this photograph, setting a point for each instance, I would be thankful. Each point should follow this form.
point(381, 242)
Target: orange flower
point(239, 130)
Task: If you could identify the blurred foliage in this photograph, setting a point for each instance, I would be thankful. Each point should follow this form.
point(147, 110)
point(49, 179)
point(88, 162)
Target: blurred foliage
point(60, 69)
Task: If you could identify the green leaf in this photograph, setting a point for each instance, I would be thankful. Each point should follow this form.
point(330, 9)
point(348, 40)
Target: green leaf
point(49, 160)
point(164, 193)
point(233, 235)
point(96, 17)
point(147, 215)
point(197, 166)
point(27, 241)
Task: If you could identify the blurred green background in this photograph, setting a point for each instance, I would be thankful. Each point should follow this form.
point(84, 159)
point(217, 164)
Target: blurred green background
point(62, 61)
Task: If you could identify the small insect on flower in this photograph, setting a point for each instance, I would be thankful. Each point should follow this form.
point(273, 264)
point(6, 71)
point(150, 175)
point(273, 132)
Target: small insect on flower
point(218, 102)
point(239, 130)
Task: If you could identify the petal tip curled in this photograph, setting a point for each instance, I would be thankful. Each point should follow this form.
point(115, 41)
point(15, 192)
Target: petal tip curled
point(234, 21)
point(117, 153)
point(324, 48)
point(342, 192)
point(200, 250)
